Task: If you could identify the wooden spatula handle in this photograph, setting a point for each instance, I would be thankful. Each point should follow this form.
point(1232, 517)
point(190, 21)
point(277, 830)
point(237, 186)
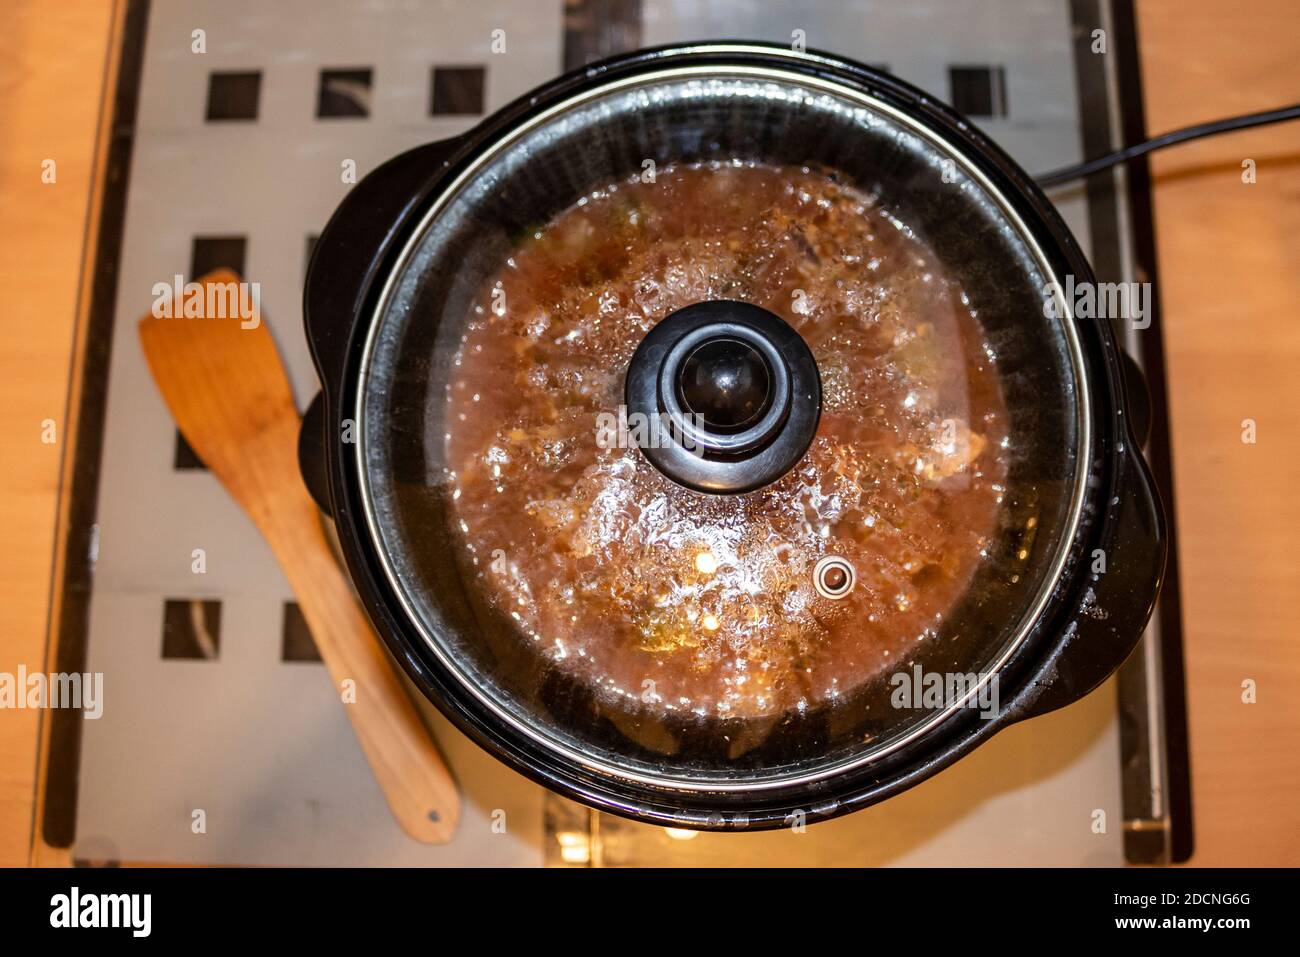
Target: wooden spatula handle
point(227, 389)
point(405, 761)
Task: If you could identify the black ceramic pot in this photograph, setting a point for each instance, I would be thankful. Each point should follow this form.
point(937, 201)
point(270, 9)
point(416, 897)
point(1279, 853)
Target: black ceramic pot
point(1048, 617)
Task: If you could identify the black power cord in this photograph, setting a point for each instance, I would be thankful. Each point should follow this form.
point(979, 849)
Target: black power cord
point(1067, 173)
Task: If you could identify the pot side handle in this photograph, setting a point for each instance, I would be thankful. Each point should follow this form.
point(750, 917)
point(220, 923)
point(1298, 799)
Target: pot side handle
point(351, 248)
point(1114, 611)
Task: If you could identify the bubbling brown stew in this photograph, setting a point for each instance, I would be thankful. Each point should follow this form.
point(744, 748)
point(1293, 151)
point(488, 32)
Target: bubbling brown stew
point(679, 601)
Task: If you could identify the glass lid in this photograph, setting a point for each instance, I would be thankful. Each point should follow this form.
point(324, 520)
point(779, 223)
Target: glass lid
point(867, 320)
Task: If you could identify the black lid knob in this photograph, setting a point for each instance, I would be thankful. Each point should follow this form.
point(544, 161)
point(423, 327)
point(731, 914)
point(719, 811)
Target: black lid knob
point(727, 382)
point(732, 391)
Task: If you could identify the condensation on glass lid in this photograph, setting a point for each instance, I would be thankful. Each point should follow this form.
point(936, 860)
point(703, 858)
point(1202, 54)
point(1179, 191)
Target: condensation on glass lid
point(708, 605)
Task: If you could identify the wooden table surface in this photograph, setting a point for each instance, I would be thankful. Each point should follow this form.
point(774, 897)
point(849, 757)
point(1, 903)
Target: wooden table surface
point(1229, 260)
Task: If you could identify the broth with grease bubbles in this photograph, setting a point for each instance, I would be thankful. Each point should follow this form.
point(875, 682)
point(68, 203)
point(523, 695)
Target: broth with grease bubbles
point(704, 604)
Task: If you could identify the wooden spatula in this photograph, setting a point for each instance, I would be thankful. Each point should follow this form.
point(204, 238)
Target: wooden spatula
point(228, 391)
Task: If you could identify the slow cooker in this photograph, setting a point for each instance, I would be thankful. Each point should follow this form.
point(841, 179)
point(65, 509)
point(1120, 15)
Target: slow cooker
point(707, 436)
